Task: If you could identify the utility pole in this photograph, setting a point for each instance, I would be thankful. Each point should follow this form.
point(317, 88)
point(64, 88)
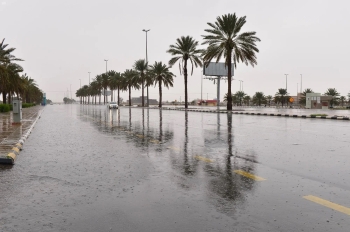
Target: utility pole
point(201, 89)
point(147, 62)
point(286, 81)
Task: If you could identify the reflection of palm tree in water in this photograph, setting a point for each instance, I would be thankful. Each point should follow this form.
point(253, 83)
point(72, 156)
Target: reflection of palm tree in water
point(130, 118)
point(228, 188)
point(187, 167)
point(160, 125)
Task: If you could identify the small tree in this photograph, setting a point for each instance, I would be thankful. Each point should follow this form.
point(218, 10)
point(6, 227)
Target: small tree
point(258, 98)
point(335, 95)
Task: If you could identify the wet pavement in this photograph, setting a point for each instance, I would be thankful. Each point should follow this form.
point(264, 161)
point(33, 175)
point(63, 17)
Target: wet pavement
point(9, 133)
point(86, 168)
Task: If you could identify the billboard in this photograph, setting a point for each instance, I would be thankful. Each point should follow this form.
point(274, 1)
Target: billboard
point(216, 69)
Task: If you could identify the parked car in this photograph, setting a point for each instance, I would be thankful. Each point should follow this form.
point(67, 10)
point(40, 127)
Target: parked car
point(112, 105)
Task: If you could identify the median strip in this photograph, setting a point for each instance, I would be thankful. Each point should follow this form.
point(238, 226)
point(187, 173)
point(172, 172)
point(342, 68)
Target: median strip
point(328, 204)
point(249, 175)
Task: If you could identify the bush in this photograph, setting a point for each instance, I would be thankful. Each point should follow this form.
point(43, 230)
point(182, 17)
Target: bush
point(27, 105)
point(5, 107)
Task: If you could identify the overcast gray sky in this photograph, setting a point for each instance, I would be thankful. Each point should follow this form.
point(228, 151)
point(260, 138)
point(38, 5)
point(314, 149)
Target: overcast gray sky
point(61, 41)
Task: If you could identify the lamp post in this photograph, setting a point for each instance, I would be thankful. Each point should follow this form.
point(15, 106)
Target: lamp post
point(286, 81)
point(104, 91)
point(146, 61)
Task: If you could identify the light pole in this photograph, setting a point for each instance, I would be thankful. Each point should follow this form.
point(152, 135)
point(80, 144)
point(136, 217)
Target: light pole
point(104, 91)
point(301, 83)
point(240, 85)
point(146, 61)
point(286, 81)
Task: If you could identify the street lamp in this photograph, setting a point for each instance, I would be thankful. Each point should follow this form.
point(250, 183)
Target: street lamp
point(286, 81)
point(146, 61)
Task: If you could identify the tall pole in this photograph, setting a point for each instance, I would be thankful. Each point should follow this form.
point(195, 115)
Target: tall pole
point(301, 83)
point(104, 91)
point(201, 88)
point(147, 62)
point(297, 93)
point(242, 85)
point(218, 94)
point(286, 82)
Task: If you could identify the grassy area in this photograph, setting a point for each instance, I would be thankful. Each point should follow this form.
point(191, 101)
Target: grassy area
point(318, 114)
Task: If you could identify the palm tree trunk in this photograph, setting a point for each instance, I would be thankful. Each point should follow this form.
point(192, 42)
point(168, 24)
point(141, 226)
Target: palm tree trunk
point(4, 97)
point(185, 77)
point(229, 77)
point(147, 97)
point(160, 92)
point(143, 101)
point(118, 96)
point(129, 95)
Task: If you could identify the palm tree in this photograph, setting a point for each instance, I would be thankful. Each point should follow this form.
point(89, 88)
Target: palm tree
point(185, 50)
point(334, 93)
point(258, 98)
point(115, 83)
point(247, 100)
point(303, 96)
point(130, 81)
point(281, 95)
point(161, 74)
point(342, 100)
point(141, 67)
point(269, 99)
point(234, 99)
point(240, 95)
point(224, 39)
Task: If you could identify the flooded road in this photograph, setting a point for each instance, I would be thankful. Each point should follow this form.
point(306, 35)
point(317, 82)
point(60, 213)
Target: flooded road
point(87, 168)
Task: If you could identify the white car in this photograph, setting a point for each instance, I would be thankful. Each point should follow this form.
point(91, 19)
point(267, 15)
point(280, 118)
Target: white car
point(112, 105)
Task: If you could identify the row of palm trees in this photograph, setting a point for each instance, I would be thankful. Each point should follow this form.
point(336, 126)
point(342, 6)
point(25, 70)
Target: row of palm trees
point(12, 82)
point(224, 40)
point(140, 76)
point(282, 97)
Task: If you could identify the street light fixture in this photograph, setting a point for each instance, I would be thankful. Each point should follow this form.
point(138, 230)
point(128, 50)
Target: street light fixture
point(286, 81)
point(146, 61)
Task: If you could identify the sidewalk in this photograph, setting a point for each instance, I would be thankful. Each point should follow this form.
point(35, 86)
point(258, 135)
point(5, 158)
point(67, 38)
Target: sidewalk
point(10, 134)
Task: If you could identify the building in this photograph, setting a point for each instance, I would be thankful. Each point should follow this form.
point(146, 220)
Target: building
point(316, 101)
point(138, 101)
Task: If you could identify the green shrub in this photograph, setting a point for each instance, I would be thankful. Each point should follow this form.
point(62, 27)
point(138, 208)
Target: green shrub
point(5, 108)
point(26, 105)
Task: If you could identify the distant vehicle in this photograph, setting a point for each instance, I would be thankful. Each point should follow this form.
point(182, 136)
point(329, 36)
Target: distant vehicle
point(112, 105)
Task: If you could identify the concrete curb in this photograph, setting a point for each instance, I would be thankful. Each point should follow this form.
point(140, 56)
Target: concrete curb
point(11, 157)
point(265, 114)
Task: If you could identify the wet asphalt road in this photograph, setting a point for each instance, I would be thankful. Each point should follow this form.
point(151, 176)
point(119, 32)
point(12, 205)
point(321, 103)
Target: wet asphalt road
point(86, 168)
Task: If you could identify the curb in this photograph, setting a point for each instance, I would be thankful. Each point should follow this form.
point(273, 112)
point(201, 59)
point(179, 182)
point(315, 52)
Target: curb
point(266, 114)
point(11, 157)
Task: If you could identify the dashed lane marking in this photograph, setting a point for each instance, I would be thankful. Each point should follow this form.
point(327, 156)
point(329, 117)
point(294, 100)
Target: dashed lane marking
point(249, 175)
point(197, 157)
point(328, 204)
point(174, 148)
